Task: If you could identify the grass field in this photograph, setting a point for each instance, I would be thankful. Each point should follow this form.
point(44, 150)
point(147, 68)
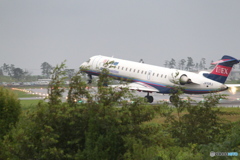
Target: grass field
point(26, 104)
point(29, 105)
point(234, 113)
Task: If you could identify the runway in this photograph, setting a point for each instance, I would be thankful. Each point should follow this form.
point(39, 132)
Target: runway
point(233, 100)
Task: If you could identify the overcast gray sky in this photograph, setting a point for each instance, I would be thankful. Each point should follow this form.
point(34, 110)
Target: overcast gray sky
point(37, 31)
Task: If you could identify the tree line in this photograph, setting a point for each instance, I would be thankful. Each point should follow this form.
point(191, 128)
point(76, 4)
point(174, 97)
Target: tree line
point(189, 64)
point(13, 72)
point(23, 74)
point(112, 123)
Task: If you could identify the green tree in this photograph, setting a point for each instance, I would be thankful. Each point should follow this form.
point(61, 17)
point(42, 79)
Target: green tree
point(70, 73)
point(201, 124)
point(56, 85)
point(106, 126)
point(18, 73)
point(172, 63)
point(197, 66)
point(230, 143)
point(190, 63)
point(46, 69)
point(202, 64)
point(166, 64)
point(10, 110)
point(8, 69)
point(1, 72)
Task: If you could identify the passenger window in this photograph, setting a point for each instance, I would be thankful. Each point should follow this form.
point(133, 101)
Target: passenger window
point(134, 70)
point(122, 68)
point(157, 75)
point(145, 72)
point(142, 72)
point(153, 74)
point(126, 69)
point(165, 76)
point(130, 69)
point(118, 67)
point(138, 71)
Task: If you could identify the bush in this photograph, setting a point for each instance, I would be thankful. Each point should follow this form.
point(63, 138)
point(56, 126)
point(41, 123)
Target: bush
point(10, 110)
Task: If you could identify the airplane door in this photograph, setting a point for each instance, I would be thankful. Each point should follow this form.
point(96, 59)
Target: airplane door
point(149, 75)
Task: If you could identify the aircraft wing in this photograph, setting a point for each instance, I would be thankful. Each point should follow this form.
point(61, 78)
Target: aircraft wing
point(139, 86)
point(233, 85)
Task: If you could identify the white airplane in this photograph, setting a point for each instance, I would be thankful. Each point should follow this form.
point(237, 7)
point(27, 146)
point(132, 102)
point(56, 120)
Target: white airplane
point(150, 78)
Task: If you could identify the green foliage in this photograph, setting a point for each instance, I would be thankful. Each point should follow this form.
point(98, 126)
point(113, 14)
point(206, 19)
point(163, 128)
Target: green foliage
point(18, 73)
point(78, 90)
point(97, 129)
point(231, 143)
point(201, 124)
point(10, 110)
point(46, 69)
point(179, 153)
point(112, 123)
point(56, 85)
point(5, 79)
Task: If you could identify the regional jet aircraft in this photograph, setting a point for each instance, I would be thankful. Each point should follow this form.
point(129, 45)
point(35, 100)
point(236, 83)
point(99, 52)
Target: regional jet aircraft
point(150, 78)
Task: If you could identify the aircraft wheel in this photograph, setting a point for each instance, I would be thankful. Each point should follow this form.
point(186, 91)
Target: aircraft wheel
point(89, 81)
point(149, 99)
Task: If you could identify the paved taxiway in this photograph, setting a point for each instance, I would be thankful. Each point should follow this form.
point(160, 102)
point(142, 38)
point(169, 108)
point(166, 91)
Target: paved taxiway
point(233, 100)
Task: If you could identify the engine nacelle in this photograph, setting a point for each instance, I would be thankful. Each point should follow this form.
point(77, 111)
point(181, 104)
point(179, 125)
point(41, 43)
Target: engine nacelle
point(184, 80)
point(178, 78)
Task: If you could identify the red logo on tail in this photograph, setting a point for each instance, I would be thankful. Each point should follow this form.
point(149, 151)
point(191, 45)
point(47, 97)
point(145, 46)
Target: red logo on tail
point(221, 70)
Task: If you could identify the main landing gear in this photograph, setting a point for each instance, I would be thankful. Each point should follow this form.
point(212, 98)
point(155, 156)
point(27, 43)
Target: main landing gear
point(89, 78)
point(149, 98)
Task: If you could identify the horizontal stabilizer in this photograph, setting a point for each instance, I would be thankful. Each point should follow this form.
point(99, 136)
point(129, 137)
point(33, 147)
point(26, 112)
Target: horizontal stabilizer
point(225, 60)
point(222, 69)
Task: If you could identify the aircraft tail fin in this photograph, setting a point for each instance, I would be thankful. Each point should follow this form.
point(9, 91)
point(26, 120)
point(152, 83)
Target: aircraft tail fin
point(222, 69)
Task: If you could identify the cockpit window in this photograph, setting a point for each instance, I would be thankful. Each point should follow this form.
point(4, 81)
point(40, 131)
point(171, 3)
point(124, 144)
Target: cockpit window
point(88, 60)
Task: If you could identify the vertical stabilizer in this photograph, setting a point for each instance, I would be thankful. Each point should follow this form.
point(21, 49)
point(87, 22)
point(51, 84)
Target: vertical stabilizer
point(222, 69)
